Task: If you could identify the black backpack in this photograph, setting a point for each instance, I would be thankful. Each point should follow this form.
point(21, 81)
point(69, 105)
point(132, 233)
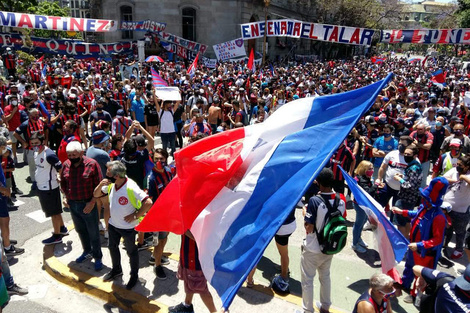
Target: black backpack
point(428, 300)
point(333, 235)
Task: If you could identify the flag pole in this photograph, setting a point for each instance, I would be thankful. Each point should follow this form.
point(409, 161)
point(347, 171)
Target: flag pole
point(266, 5)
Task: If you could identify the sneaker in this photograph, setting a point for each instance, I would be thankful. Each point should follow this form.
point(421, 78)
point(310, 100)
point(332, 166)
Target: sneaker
point(100, 226)
point(112, 275)
point(181, 308)
point(152, 260)
point(456, 255)
point(54, 239)
point(279, 284)
point(34, 186)
point(367, 226)
point(362, 243)
point(158, 270)
point(17, 191)
point(10, 203)
point(165, 260)
point(132, 282)
point(98, 265)
point(13, 251)
point(142, 246)
point(85, 256)
point(16, 290)
point(322, 310)
point(408, 299)
point(63, 231)
point(358, 248)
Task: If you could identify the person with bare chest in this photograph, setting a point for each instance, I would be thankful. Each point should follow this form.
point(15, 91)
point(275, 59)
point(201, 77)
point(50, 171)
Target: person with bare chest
point(214, 114)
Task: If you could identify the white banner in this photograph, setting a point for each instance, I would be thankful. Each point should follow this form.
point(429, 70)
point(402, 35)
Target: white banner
point(32, 21)
point(209, 63)
point(168, 93)
point(229, 50)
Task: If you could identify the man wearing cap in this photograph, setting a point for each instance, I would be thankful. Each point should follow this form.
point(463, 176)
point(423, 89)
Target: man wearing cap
point(427, 231)
point(99, 115)
point(458, 196)
point(97, 151)
point(121, 123)
point(453, 294)
point(458, 133)
point(448, 160)
point(400, 129)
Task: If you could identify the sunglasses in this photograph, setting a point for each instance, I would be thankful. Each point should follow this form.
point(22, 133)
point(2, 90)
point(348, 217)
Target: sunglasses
point(388, 294)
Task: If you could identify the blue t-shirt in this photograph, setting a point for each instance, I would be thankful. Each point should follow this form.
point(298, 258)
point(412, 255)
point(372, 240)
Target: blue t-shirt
point(385, 146)
point(138, 108)
point(100, 156)
point(450, 299)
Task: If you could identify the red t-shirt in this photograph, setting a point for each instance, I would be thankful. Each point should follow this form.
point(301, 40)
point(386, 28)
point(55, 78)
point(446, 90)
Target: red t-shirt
point(15, 120)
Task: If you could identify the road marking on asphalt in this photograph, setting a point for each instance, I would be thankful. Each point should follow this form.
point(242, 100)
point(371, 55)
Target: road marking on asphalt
point(18, 202)
point(38, 216)
point(34, 292)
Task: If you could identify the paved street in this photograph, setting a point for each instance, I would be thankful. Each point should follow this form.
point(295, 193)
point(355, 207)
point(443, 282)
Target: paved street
point(350, 272)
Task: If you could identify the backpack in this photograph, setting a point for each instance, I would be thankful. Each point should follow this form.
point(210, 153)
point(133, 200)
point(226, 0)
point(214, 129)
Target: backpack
point(332, 237)
point(428, 300)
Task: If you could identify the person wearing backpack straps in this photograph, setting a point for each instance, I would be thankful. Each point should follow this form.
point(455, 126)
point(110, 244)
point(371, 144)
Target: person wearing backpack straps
point(321, 210)
point(166, 111)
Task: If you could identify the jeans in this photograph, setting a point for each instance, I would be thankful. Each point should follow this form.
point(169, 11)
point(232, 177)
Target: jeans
point(86, 226)
point(29, 156)
point(361, 218)
point(310, 263)
point(9, 282)
point(115, 235)
point(168, 138)
point(425, 166)
point(459, 225)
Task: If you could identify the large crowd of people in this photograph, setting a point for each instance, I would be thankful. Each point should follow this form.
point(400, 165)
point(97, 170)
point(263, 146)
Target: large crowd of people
point(90, 146)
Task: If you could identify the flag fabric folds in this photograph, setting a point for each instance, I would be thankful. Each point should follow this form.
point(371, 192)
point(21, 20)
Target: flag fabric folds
point(157, 80)
point(234, 190)
point(251, 61)
point(438, 78)
point(392, 245)
point(44, 75)
point(192, 68)
point(377, 60)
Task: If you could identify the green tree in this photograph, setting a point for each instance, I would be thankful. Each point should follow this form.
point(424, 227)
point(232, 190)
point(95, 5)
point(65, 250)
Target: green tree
point(50, 9)
point(17, 5)
point(463, 13)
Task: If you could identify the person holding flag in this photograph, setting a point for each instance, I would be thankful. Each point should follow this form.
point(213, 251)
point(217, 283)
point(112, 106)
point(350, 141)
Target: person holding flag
point(427, 232)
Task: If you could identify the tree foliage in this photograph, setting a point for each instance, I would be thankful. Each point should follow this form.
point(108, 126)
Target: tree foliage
point(17, 5)
point(50, 9)
point(463, 13)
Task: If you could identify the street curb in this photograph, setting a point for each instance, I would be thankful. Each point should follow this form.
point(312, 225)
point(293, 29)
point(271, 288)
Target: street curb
point(125, 299)
point(95, 286)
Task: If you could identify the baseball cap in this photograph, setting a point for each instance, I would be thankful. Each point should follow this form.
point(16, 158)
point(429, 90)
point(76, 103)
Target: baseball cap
point(455, 143)
point(140, 140)
point(371, 120)
point(99, 136)
point(463, 282)
point(120, 112)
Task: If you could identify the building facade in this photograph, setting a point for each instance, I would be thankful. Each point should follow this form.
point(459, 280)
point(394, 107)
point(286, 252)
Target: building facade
point(208, 22)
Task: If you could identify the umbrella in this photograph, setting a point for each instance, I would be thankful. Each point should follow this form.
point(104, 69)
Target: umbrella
point(154, 58)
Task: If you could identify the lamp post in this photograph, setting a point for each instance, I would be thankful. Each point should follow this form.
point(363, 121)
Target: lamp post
point(266, 5)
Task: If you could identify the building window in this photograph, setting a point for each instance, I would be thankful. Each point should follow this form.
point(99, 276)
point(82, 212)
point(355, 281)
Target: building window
point(126, 15)
point(189, 24)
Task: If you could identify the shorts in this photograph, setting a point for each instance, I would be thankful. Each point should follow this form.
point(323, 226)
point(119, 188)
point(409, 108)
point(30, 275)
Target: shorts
point(12, 137)
point(86, 118)
point(398, 219)
point(8, 182)
point(194, 281)
point(3, 207)
point(282, 240)
point(50, 202)
point(159, 235)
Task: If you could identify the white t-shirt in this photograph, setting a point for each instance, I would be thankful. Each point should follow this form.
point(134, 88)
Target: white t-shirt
point(166, 122)
point(458, 194)
point(120, 205)
point(396, 165)
point(47, 165)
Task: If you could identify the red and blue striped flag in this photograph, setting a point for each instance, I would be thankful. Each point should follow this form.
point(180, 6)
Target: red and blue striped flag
point(157, 80)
